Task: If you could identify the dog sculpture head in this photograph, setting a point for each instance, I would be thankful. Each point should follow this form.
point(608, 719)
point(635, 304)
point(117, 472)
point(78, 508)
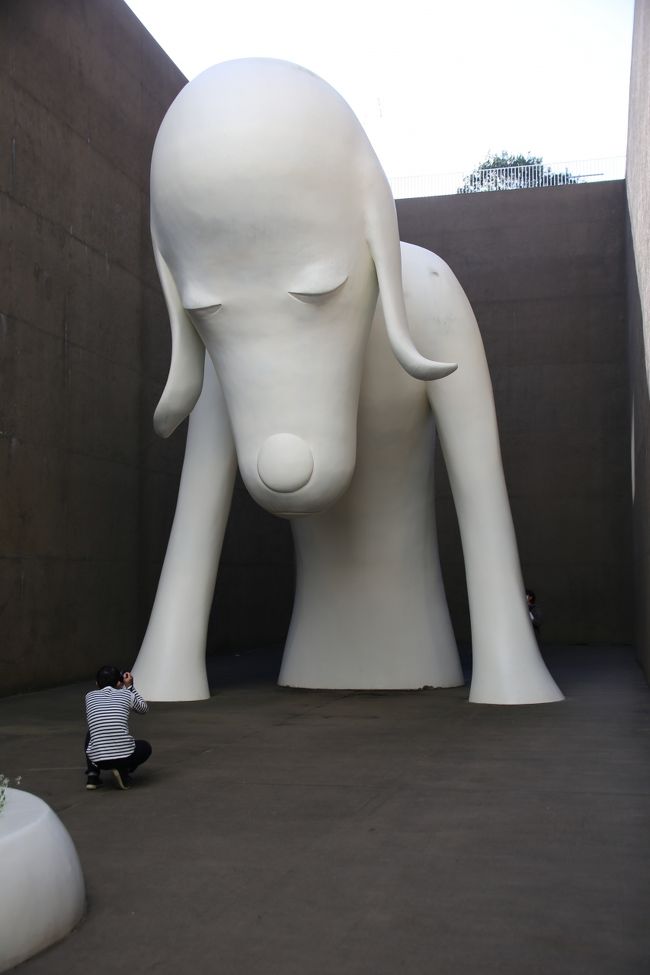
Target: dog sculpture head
point(273, 227)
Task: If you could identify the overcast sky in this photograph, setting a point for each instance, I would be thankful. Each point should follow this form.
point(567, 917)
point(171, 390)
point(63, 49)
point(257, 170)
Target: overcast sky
point(437, 85)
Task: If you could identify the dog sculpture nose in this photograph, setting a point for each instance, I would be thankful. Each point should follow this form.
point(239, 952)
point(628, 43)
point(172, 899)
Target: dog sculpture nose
point(285, 463)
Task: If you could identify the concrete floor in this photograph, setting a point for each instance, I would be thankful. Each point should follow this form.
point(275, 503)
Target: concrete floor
point(313, 833)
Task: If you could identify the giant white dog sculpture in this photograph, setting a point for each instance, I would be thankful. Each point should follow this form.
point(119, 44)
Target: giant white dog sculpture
point(273, 229)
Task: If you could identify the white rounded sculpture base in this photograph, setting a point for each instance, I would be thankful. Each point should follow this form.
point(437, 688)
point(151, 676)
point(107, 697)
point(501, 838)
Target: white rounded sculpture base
point(42, 895)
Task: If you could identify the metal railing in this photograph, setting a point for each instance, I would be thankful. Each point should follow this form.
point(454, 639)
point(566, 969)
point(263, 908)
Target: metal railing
point(509, 178)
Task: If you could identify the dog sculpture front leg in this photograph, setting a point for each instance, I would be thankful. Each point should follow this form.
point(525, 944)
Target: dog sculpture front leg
point(507, 665)
point(171, 662)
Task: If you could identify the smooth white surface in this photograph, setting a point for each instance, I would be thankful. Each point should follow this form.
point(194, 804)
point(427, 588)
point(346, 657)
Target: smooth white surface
point(42, 893)
point(273, 225)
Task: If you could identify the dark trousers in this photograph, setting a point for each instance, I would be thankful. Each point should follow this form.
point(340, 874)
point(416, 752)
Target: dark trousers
point(129, 764)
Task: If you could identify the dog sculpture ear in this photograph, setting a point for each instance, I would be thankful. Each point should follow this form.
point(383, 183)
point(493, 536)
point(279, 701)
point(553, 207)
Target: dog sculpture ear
point(383, 240)
point(185, 379)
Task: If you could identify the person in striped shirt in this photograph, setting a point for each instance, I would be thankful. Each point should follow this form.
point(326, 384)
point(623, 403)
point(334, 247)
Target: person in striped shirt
point(109, 743)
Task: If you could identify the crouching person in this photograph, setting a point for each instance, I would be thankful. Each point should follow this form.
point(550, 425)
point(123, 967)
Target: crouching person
point(109, 743)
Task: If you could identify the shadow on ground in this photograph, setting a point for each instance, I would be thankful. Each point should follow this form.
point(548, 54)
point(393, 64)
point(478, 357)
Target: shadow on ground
point(313, 832)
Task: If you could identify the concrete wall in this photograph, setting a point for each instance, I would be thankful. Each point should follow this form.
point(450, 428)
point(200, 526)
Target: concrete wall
point(544, 270)
point(638, 275)
point(84, 350)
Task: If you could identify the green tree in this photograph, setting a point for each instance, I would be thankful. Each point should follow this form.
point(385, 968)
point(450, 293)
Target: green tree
point(503, 171)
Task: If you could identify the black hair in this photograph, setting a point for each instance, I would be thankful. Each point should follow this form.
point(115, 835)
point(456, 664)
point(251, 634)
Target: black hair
point(531, 594)
point(108, 676)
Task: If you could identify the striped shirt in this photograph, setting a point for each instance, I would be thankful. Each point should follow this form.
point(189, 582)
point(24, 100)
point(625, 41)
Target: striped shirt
point(107, 712)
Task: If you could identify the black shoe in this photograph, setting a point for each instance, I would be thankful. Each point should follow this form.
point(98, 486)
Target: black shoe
point(122, 779)
point(93, 780)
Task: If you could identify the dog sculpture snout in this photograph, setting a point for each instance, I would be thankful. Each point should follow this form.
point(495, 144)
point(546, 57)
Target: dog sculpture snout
point(285, 463)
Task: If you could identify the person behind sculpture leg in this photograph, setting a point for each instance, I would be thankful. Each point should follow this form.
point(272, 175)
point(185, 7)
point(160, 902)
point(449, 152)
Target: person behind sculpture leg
point(534, 611)
point(109, 743)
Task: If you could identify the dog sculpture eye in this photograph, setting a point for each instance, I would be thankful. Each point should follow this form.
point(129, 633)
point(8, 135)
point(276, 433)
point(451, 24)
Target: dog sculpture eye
point(317, 297)
point(203, 318)
point(203, 314)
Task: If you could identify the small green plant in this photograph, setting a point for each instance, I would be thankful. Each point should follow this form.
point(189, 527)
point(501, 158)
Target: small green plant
point(4, 785)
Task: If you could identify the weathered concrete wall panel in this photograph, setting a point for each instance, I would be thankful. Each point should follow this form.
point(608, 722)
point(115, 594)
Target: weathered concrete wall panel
point(83, 88)
point(638, 274)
